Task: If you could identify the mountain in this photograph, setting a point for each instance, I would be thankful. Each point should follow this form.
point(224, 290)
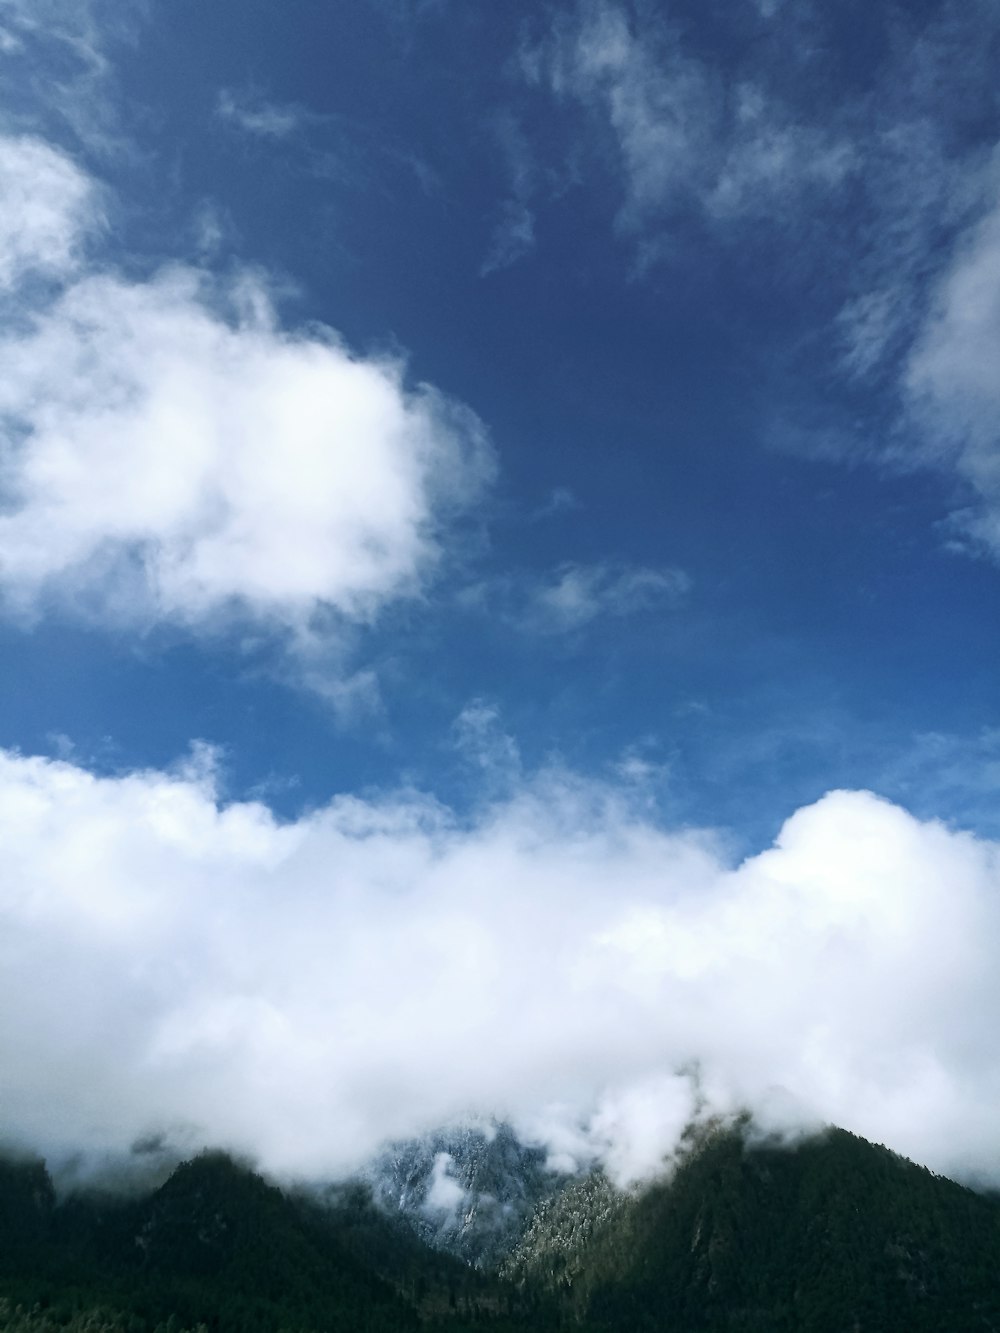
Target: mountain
point(469, 1191)
point(216, 1244)
point(831, 1235)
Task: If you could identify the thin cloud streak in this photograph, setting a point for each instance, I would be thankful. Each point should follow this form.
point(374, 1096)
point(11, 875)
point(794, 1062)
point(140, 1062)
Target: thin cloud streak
point(577, 596)
point(257, 116)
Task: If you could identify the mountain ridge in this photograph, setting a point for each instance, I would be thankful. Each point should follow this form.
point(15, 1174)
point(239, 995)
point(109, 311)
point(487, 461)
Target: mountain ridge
point(831, 1233)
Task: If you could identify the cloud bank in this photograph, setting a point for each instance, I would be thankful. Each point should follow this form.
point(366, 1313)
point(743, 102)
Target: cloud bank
point(303, 991)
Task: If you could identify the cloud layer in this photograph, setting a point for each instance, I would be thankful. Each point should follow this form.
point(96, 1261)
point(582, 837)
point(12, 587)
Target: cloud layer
point(303, 991)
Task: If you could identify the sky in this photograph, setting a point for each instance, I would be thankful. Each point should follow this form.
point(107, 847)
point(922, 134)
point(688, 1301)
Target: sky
point(499, 561)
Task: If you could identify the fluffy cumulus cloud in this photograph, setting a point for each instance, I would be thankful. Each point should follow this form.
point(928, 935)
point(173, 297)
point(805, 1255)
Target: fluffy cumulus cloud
point(168, 451)
point(48, 206)
point(303, 991)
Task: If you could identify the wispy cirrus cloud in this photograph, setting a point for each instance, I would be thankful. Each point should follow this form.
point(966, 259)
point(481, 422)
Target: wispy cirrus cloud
point(879, 210)
point(255, 115)
point(950, 385)
point(685, 142)
point(574, 596)
point(579, 594)
point(513, 237)
point(322, 145)
point(76, 39)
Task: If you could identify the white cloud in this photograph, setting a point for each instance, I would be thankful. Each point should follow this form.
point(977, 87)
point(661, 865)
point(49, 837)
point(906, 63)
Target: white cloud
point(84, 27)
point(657, 111)
point(914, 265)
point(303, 991)
point(169, 452)
point(513, 234)
point(48, 206)
point(480, 739)
point(213, 231)
point(951, 381)
point(768, 159)
point(683, 141)
point(58, 71)
point(256, 115)
point(577, 594)
point(560, 500)
point(513, 237)
point(573, 596)
point(446, 1194)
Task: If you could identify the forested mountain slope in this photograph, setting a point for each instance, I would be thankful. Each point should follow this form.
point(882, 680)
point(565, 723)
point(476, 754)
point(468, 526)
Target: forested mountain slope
point(834, 1235)
point(219, 1245)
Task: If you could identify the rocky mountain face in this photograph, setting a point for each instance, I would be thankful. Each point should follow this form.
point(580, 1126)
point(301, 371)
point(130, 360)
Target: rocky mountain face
point(470, 1192)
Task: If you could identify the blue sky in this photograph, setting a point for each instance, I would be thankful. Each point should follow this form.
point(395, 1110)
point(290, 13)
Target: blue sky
point(412, 401)
point(660, 368)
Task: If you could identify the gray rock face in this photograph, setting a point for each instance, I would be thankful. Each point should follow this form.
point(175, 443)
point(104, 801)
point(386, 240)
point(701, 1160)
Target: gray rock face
point(469, 1191)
